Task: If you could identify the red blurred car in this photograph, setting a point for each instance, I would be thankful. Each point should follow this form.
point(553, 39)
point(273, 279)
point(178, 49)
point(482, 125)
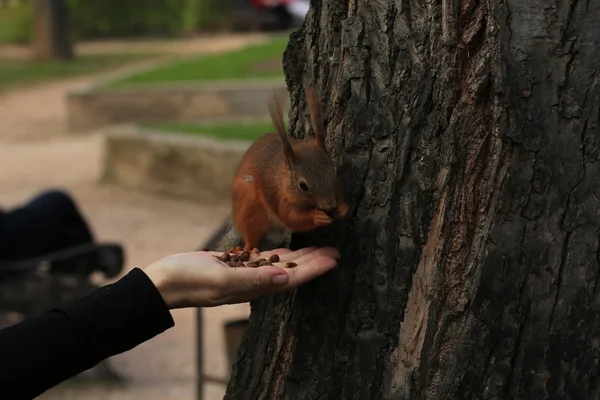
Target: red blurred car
point(271, 14)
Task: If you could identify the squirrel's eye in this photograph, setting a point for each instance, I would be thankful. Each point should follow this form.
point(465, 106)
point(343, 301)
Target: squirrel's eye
point(303, 186)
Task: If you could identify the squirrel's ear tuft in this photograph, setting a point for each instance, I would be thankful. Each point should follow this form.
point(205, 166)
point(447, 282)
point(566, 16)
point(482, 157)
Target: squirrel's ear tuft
point(316, 117)
point(276, 111)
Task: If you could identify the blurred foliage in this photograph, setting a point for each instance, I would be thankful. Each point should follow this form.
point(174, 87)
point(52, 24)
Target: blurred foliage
point(98, 19)
point(15, 24)
point(95, 19)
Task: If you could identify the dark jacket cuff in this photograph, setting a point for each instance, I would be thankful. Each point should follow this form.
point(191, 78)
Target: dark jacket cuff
point(120, 316)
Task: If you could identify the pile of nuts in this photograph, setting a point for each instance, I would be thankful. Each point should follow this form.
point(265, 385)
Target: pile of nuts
point(240, 259)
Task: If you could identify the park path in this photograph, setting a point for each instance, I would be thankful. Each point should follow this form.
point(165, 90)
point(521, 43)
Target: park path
point(207, 43)
point(37, 153)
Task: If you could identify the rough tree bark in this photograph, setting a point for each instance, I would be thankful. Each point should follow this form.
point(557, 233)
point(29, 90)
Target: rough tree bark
point(51, 38)
point(466, 135)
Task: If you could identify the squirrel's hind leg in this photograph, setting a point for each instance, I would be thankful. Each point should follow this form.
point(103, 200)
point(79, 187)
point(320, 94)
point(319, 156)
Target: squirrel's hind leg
point(276, 238)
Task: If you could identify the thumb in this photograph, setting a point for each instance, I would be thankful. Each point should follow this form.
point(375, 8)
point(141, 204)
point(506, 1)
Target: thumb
point(266, 277)
point(246, 281)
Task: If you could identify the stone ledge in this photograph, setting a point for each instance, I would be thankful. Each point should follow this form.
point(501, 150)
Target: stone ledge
point(96, 106)
point(194, 167)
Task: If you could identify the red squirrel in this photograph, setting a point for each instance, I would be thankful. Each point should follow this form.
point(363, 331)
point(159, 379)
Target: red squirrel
point(284, 184)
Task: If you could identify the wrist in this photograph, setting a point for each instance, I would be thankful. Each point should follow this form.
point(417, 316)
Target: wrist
point(161, 281)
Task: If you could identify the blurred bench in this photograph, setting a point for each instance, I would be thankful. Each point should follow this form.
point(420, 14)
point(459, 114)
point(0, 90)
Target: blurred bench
point(32, 286)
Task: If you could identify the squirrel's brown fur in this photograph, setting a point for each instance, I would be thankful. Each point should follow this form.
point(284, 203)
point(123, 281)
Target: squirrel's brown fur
point(286, 183)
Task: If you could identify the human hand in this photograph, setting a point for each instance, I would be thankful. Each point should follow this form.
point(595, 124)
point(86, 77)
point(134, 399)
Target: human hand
point(198, 279)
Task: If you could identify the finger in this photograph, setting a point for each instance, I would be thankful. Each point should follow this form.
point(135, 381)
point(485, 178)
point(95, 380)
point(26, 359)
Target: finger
point(289, 255)
point(245, 284)
point(308, 271)
point(266, 254)
point(262, 283)
point(252, 255)
point(210, 253)
point(254, 281)
point(303, 257)
point(305, 252)
point(292, 255)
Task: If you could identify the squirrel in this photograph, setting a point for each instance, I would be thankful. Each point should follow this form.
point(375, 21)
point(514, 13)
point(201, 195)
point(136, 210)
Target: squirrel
point(283, 185)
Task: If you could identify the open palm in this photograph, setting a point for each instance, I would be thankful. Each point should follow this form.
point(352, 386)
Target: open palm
point(199, 279)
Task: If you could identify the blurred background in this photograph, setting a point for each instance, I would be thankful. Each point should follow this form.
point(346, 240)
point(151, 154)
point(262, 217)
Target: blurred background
point(140, 110)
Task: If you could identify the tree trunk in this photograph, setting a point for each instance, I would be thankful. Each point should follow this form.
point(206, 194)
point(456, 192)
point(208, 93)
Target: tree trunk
point(51, 30)
point(467, 139)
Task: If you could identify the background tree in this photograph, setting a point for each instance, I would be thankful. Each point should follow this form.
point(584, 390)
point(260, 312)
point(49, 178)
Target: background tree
point(51, 36)
point(466, 135)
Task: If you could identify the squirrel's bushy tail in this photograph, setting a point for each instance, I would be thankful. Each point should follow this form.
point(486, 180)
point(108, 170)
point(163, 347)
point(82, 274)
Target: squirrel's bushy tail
point(232, 238)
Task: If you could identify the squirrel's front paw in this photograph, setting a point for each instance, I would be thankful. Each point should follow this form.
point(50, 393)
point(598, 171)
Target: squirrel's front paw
point(342, 210)
point(321, 218)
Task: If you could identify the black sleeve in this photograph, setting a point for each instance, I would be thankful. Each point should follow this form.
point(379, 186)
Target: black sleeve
point(42, 351)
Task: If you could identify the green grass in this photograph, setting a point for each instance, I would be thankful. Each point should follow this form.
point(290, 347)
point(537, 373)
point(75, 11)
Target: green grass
point(19, 73)
point(249, 131)
point(256, 61)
